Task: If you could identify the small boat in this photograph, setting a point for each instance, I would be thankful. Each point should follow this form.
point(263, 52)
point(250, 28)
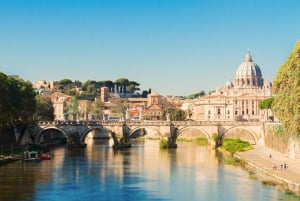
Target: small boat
point(31, 157)
point(46, 157)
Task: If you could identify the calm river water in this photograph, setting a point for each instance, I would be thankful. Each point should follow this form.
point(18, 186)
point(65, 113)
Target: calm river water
point(144, 172)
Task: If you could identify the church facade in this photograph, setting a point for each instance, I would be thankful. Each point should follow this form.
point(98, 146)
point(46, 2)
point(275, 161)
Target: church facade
point(235, 101)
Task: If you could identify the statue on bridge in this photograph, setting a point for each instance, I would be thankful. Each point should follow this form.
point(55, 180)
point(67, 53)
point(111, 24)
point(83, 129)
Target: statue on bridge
point(173, 137)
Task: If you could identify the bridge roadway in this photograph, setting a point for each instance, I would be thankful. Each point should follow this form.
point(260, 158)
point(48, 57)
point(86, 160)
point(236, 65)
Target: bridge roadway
point(249, 131)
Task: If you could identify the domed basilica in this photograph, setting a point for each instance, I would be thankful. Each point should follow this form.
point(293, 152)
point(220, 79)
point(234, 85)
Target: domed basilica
point(238, 100)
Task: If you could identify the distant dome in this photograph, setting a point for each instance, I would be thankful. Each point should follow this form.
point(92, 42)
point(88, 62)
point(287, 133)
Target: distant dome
point(229, 84)
point(268, 84)
point(248, 73)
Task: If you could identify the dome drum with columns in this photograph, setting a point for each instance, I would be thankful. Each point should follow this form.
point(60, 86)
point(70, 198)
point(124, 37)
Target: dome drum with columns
point(238, 101)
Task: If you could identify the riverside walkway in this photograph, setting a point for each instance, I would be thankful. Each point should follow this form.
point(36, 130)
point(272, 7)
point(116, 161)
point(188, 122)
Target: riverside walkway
point(259, 159)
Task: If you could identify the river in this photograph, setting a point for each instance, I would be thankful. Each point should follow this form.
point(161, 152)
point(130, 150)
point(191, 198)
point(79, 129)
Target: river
point(144, 172)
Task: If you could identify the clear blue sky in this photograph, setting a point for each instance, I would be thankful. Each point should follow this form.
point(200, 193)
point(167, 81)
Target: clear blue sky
point(174, 47)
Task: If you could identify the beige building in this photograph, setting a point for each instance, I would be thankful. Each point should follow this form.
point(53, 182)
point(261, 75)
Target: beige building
point(235, 101)
point(150, 108)
point(59, 101)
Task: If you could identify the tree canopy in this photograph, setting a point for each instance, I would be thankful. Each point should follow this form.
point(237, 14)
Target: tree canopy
point(286, 86)
point(196, 95)
point(72, 107)
point(174, 114)
point(17, 103)
point(266, 103)
point(44, 109)
point(97, 109)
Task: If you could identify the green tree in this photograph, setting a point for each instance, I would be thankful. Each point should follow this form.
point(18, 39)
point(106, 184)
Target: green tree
point(132, 87)
point(266, 104)
point(196, 95)
point(97, 109)
point(77, 83)
point(109, 84)
point(121, 108)
point(286, 86)
point(72, 107)
point(64, 84)
point(21, 101)
point(122, 84)
point(144, 94)
point(70, 91)
point(175, 114)
point(4, 100)
point(17, 103)
point(44, 109)
point(89, 83)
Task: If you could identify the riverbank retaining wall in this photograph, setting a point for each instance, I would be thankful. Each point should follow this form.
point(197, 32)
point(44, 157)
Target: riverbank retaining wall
point(276, 139)
point(269, 176)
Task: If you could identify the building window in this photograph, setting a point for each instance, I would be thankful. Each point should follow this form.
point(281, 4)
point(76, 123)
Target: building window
point(236, 112)
point(219, 111)
point(208, 111)
point(253, 112)
point(228, 111)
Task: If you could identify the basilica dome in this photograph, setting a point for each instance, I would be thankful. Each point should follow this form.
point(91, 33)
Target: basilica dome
point(248, 74)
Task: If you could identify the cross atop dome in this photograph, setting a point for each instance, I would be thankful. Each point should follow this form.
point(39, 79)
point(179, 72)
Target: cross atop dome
point(248, 57)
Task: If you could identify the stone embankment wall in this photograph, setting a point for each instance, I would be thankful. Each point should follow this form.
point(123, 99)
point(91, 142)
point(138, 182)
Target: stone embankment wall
point(269, 176)
point(276, 139)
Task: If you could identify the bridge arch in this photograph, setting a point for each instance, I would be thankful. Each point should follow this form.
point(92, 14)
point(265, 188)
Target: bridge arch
point(37, 139)
point(154, 132)
point(244, 133)
point(203, 133)
point(106, 133)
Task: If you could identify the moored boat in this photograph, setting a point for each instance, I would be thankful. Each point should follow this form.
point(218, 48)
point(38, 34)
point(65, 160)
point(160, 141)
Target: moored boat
point(46, 157)
point(31, 157)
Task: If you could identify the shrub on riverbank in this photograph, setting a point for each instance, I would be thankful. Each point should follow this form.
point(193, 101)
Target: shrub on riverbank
point(163, 144)
point(200, 141)
point(234, 145)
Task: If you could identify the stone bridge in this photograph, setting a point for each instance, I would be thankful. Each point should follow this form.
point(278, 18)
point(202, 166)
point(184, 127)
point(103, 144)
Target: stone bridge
point(252, 132)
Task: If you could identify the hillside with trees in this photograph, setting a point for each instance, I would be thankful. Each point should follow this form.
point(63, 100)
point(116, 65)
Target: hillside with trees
point(90, 89)
point(286, 86)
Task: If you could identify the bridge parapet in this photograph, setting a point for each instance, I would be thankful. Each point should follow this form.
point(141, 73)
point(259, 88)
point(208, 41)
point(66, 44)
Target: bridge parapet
point(151, 123)
point(213, 123)
point(71, 123)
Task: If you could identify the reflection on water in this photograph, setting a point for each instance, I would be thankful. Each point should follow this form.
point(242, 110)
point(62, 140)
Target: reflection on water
point(143, 172)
